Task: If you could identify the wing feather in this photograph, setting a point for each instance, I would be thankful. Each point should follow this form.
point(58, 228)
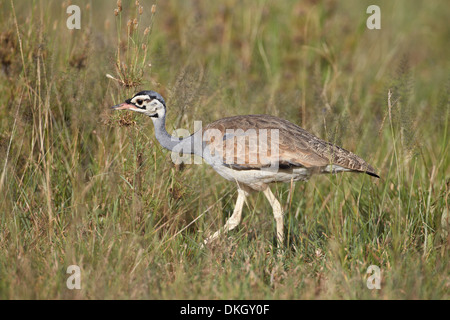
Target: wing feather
point(249, 142)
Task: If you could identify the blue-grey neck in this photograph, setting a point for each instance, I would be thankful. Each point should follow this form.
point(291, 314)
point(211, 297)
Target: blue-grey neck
point(184, 145)
point(193, 144)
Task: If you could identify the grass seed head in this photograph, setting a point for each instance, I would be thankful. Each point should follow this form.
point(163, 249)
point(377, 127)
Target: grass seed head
point(129, 27)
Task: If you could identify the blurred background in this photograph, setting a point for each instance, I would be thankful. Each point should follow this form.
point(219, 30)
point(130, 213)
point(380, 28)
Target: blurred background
point(81, 185)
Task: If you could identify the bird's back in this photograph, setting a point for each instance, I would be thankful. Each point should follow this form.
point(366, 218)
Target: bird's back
point(296, 146)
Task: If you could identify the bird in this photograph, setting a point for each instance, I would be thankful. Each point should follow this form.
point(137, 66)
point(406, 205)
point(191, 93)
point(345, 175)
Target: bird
point(253, 151)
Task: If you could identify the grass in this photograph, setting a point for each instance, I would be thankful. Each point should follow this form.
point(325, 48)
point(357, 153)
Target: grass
point(80, 185)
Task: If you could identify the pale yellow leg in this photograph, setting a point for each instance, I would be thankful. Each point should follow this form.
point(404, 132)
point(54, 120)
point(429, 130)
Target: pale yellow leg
point(235, 218)
point(278, 215)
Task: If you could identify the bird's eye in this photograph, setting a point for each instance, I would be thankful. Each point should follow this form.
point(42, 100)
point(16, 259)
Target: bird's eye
point(139, 102)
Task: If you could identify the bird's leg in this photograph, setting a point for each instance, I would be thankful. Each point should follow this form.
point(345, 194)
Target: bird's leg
point(235, 218)
point(278, 215)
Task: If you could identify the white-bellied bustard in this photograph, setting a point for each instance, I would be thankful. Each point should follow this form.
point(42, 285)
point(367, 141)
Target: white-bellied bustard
point(253, 151)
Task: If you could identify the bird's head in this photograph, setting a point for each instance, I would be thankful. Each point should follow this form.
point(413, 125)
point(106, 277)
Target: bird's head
point(149, 103)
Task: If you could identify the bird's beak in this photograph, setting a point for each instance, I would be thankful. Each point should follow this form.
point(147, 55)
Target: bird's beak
point(123, 106)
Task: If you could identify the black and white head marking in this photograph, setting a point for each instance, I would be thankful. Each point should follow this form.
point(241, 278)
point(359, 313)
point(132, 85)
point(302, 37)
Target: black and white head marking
point(149, 102)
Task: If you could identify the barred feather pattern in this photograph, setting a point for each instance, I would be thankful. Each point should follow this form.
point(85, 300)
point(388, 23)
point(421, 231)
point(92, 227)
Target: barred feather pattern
point(297, 148)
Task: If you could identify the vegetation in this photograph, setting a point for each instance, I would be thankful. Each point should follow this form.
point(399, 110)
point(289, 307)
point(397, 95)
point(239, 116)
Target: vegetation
point(82, 185)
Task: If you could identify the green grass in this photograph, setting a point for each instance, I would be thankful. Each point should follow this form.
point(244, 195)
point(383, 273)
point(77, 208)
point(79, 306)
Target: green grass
point(81, 185)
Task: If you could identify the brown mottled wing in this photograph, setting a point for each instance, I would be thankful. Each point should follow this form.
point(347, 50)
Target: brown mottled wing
point(241, 143)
